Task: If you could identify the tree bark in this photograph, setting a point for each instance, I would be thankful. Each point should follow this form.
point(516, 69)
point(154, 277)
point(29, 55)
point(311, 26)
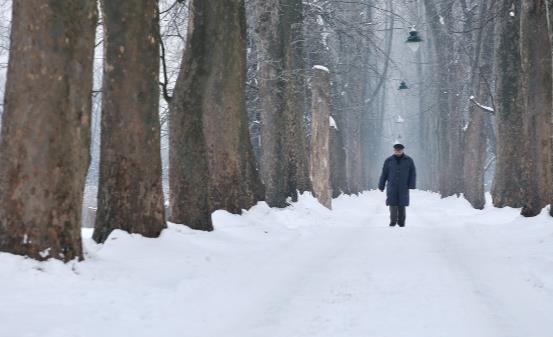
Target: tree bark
point(283, 160)
point(338, 181)
point(130, 194)
point(211, 158)
point(549, 4)
point(536, 91)
point(475, 136)
point(352, 51)
point(319, 163)
point(44, 146)
point(507, 188)
point(448, 128)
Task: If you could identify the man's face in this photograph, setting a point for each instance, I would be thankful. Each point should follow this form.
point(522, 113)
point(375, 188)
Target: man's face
point(398, 152)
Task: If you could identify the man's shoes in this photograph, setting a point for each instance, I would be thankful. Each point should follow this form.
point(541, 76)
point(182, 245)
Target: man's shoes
point(392, 224)
point(401, 224)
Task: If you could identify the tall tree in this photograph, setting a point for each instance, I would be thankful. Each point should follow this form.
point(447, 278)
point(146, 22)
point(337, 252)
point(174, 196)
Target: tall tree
point(352, 58)
point(447, 79)
point(372, 123)
point(319, 163)
point(549, 4)
point(211, 158)
point(507, 187)
point(537, 96)
point(475, 136)
point(283, 163)
point(130, 195)
point(44, 147)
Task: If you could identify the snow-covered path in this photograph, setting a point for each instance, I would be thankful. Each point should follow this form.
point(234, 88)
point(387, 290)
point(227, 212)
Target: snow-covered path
point(301, 271)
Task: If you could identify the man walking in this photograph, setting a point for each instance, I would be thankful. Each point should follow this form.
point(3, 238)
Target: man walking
point(399, 172)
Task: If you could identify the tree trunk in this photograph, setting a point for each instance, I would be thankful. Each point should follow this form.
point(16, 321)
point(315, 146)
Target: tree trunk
point(211, 158)
point(44, 147)
point(507, 188)
point(447, 126)
point(283, 160)
point(298, 164)
point(320, 168)
point(338, 182)
point(536, 90)
point(352, 62)
point(475, 136)
point(549, 4)
point(130, 194)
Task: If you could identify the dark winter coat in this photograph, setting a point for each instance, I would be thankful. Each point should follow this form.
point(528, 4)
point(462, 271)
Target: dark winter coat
point(401, 176)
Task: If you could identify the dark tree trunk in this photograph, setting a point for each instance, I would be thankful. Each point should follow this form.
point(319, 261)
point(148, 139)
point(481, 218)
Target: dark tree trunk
point(130, 195)
point(447, 126)
point(44, 148)
point(372, 124)
point(319, 163)
point(475, 136)
point(549, 4)
point(294, 56)
point(536, 90)
point(507, 188)
point(352, 50)
point(211, 158)
point(427, 165)
point(283, 159)
point(338, 182)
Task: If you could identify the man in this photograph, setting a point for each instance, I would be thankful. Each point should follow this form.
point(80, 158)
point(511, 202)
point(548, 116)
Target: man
point(399, 172)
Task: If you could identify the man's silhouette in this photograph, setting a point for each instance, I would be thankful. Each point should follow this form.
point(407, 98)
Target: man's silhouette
point(399, 173)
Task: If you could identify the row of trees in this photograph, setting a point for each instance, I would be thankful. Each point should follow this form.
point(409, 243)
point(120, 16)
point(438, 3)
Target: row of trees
point(45, 140)
point(490, 69)
point(253, 116)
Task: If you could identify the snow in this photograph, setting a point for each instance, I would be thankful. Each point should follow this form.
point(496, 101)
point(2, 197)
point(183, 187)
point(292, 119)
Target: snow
point(320, 20)
point(44, 253)
point(332, 123)
point(324, 38)
point(484, 107)
point(300, 271)
point(319, 67)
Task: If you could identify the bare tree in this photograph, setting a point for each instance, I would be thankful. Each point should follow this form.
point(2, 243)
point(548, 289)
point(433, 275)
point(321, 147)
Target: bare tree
point(536, 91)
point(211, 159)
point(44, 148)
point(319, 163)
point(507, 188)
point(130, 194)
point(283, 159)
point(475, 136)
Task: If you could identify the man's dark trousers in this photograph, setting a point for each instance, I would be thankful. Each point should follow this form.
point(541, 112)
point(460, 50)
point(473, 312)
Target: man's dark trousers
point(397, 215)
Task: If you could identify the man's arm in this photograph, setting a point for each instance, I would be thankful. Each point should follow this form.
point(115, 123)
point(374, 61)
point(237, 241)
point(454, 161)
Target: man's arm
point(412, 176)
point(383, 177)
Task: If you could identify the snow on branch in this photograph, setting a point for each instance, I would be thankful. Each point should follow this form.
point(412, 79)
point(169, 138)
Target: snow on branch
point(323, 68)
point(332, 122)
point(481, 106)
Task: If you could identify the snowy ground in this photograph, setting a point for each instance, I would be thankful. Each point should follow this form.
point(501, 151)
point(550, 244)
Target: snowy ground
point(300, 271)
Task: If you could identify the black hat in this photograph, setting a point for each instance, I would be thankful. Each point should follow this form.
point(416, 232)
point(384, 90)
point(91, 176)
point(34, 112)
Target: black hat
point(399, 146)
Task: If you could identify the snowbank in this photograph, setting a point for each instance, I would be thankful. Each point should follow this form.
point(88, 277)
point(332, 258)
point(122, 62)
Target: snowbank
point(299, 271)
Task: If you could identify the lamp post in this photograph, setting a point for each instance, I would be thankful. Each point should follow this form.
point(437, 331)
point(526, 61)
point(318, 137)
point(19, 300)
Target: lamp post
point(413, 40)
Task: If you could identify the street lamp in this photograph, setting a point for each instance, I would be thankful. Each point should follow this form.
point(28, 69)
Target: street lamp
point(413, 40)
